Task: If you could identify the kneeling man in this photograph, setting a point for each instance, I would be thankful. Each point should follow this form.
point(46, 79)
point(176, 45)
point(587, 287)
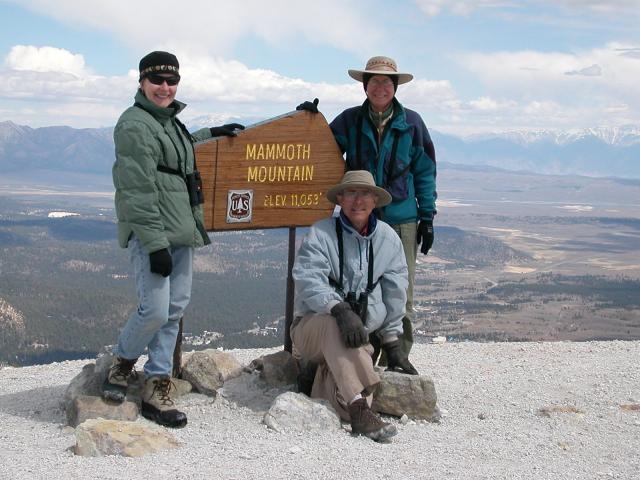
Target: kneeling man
point(351, 281)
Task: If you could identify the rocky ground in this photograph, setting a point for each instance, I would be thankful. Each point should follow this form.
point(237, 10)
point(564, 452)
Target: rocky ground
point(510, 411)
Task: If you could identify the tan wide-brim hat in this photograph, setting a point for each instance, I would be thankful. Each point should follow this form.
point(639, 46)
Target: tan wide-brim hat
point(359, 179)
point(381, 66)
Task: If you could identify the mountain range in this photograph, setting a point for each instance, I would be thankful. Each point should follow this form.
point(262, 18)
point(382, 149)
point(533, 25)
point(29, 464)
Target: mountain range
point(599, 152)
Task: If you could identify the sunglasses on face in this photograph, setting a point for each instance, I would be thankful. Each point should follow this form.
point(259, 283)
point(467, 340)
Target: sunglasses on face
point(157, 79)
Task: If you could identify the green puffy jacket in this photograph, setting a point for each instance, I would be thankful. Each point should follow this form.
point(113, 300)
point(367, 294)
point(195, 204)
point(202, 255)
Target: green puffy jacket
point(153, 204)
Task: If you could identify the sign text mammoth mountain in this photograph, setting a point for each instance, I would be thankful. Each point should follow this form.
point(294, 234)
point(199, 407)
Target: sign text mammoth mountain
point(273, 174)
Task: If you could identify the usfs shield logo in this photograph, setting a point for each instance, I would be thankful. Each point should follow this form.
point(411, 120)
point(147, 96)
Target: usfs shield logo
point(239, 206)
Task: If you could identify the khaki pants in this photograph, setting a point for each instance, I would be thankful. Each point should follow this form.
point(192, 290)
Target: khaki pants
point(342, 372)
point(408, 233)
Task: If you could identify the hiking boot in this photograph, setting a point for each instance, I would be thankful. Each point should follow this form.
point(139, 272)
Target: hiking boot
point(114, 387)
point(365, 422)
point(157, 404)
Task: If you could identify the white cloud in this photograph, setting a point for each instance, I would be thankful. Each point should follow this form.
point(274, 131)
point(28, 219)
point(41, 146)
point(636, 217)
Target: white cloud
point(45, 59)
point(587, 83)
point(457, 7)
point(214, 27)
point(229, 85)
point(466, 7)
point(486, 104)
point(591, 71)
point(598, 6)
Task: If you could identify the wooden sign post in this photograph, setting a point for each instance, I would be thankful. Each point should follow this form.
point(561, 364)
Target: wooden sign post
point(273, 174)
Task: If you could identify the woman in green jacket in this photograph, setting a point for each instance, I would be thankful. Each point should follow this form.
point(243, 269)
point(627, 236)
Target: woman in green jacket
point(160, 219)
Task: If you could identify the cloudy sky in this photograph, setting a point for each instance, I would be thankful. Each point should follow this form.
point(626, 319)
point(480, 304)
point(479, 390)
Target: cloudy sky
point(485, 65)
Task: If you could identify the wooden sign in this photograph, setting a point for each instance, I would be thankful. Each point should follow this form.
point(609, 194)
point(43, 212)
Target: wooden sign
point(272, 174)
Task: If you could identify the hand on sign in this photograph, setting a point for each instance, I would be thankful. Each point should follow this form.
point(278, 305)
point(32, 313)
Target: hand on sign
point(227, 130)
point(309, 106)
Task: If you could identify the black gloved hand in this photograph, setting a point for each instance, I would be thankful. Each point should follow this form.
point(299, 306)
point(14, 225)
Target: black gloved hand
point(397, 358)
point(425, 235)
point(226, 130)
point(309, 106)
point(161, 262)
point(350, 325)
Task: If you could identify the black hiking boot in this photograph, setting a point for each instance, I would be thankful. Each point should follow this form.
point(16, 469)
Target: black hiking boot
point(365, 422)
point(157, 404)
point(114, 387)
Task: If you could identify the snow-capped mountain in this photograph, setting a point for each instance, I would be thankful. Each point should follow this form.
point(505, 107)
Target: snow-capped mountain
point(617, 136)
point(601, 152)
point(215, 120)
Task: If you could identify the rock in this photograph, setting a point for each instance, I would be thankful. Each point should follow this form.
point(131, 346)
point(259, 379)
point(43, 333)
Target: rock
point(99, 437)
point(182, 386)
point(279, 369)
point(226, 363)
point(85, 407)
point(413, 395)
point(85, 383)
point(201, 370)
point(295, 412)
point(83, 397)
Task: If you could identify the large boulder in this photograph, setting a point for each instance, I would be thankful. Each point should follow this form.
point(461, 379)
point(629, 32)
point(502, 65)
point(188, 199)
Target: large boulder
point(412, 395)
point(99, 437)
point(83, 400)
point(278, 369)
point(204, 370)
point(85, 407)
point(295, 412)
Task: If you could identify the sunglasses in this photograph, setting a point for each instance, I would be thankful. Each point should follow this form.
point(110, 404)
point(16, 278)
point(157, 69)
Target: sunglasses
point(157, 79)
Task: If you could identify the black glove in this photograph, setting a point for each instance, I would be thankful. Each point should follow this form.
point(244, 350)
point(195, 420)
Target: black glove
point(425, 235)
point(161, 262)
point(397, 358)
point(226, 130)
point(350, 325)
point(309, 106)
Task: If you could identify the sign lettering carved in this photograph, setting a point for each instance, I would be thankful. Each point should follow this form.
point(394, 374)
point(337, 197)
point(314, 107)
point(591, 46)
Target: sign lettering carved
point(272, 174)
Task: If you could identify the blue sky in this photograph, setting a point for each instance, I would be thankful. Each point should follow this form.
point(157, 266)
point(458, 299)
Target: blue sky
point(486, 65)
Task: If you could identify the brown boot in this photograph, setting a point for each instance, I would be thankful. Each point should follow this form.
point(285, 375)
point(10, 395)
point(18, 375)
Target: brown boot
point(157, 404)
point(114, 387)
point(365, 422)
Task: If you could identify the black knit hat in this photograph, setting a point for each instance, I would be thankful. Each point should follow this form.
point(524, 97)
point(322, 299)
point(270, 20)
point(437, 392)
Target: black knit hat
point(367, 76)
point(158, 62)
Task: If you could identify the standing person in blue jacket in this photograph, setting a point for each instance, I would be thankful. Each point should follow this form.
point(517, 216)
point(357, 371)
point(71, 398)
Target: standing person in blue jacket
point(351, 280)
point(393, 143)
point(159, 208)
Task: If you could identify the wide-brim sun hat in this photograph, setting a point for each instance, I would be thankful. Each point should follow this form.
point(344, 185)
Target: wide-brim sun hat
point(360, 179)
point(381, 66)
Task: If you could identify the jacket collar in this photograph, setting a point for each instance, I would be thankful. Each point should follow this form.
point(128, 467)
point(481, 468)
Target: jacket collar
point(373, 224)
point(160, 113)
point(398, 120)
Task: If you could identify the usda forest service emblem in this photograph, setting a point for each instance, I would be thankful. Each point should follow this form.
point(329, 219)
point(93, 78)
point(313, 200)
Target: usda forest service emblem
point(239, 206)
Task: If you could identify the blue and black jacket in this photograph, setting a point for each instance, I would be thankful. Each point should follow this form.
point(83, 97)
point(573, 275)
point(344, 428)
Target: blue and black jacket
point(403, 162)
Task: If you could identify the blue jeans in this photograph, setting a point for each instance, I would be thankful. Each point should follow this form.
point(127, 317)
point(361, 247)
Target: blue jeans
point(161, 303)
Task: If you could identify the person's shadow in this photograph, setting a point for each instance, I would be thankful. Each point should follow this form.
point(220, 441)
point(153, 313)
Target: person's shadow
point(42, 404)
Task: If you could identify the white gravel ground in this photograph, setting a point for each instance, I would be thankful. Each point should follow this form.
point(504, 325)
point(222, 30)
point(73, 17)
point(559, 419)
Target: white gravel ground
point(491, 395)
